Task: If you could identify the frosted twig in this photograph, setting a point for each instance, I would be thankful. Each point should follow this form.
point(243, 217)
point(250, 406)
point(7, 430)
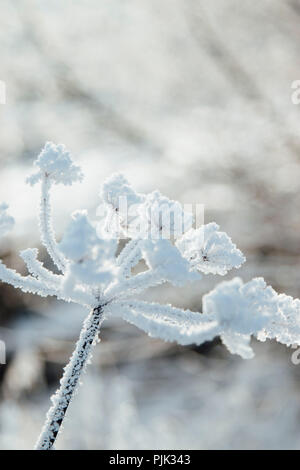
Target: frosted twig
point(129, 257)
point(26, 284)
point(163, 312)
point(166, 328)
point(69, 382)
point(134, 285)
point(47, 232)
point(36, 268)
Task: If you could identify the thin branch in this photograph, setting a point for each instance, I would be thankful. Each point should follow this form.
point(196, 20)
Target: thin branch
point(168, 330)
point(129, 257)
point(26, 284)
point(46, 229)
point(69, 382)
point(134, 285)
point(165, 312)
point(36, 268)
point(35, 286)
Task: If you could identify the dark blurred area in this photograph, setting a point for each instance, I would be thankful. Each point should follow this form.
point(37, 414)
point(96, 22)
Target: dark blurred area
point(192, 98)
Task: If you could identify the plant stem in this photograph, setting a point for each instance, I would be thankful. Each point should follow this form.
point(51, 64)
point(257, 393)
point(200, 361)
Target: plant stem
point(46, 228)
point(62, 398)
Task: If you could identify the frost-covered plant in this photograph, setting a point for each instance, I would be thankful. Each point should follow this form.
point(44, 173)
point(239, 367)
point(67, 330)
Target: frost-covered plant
point(92, 274)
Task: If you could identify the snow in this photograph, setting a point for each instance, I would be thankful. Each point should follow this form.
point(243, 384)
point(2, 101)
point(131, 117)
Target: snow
point(80, 237)
point(55, 163)
point(122, 203)
point(164, 257)
point(249, 309)
point(285, 326)
point(162, 217)
point(210, 251)
point(117, 186)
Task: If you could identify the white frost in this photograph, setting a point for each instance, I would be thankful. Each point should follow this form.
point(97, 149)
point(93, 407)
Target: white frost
point(55, 163)
point(94, 276)
point(210, 251)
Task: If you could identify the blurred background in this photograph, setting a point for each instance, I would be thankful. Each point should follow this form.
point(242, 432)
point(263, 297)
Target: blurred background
point(193, 98)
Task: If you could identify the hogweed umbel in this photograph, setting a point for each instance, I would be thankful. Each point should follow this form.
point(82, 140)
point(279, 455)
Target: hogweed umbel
point(94, 276)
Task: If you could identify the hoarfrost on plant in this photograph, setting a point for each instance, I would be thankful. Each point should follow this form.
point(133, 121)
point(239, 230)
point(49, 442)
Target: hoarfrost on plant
point(93, 275)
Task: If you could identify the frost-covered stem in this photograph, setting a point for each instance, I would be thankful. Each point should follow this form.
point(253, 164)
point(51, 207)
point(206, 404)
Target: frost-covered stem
point(129, 257)
point(135, 284)
point(62, 398)
point(47, 232)
point(26, 283)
